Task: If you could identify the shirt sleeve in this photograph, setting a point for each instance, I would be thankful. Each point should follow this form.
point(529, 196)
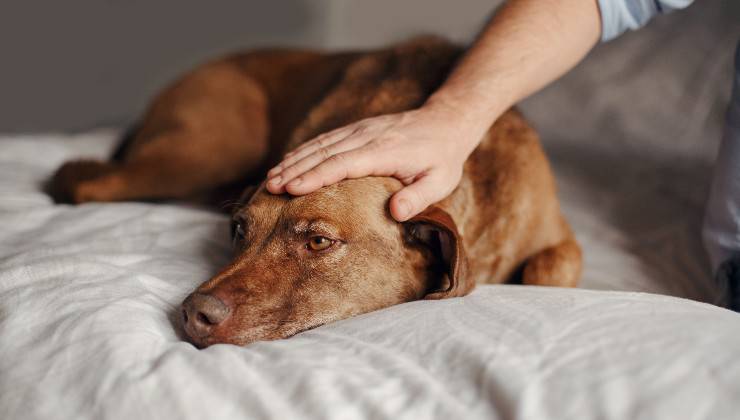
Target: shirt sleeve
point(618, 16)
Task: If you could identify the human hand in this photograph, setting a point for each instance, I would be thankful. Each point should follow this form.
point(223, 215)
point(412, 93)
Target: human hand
point(425, 149)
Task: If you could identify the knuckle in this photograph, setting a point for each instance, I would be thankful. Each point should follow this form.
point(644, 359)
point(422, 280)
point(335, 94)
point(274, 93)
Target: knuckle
point(377, 144)
point(359, 130)
point(324, 153)
point(322, 141)
point(388, 140)
point(337, 159)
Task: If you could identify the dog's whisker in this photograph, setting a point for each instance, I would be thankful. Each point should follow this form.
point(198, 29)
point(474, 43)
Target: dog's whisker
point(229, 204)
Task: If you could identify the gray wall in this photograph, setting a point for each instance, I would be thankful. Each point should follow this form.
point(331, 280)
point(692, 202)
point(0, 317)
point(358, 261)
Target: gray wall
point(76, 64)
point(73, 64)
point(363, 23)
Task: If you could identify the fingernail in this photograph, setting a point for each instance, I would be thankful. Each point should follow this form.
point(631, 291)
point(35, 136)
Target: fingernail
point(274, 171)
point(404, 208)
point(276, 180)
point(295, 182)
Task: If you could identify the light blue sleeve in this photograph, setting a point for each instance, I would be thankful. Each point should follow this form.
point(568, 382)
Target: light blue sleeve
point(618, 16)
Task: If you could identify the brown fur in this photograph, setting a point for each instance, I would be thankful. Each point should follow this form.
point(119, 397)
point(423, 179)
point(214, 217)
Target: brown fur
point(228, 121)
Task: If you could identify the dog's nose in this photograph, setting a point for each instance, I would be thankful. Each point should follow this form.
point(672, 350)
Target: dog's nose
point(201, 313)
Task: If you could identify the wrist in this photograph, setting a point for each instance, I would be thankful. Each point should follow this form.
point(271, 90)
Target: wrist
point(470, 118)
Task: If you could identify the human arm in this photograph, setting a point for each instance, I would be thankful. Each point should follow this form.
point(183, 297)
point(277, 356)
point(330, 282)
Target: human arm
point(526, 45)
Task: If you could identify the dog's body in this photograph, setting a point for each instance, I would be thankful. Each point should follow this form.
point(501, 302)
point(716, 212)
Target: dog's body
point(228, 121)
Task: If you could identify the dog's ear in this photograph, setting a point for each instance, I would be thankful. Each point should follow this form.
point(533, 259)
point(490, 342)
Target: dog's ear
point(435, 229)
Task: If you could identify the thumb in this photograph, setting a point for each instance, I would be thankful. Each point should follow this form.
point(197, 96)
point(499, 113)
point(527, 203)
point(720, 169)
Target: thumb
point(416, 197)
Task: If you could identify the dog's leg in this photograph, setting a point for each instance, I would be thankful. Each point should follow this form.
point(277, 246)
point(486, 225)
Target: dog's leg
point(208, 130)
point(559, 265)
point(170, 172)
point(85, 181)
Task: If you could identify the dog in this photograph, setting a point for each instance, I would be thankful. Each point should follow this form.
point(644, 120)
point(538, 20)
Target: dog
point(301, 262)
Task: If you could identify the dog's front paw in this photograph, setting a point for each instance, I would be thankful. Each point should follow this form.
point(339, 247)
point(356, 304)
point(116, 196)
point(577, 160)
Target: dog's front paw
point(67, 185)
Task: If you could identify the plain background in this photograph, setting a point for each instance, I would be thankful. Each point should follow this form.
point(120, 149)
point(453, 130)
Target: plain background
point(75, 64)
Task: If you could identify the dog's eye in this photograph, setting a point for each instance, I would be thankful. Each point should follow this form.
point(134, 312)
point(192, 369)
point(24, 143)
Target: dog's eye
point(237, 231)
point(319, 243)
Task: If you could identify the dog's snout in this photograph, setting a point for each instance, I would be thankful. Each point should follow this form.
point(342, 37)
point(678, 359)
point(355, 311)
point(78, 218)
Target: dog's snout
point(201, 313)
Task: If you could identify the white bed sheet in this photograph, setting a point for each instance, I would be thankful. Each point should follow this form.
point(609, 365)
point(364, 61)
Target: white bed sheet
point(88, 329)
point(89, 294)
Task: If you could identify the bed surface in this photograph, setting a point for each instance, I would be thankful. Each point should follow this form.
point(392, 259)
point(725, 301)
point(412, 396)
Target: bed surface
point(89, 300)
point(89, 295)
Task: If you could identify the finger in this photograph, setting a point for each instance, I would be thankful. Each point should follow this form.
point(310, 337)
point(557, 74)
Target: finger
point(333, 136)
point(320, 155)
point(309, 147)
point(416, 197)
point(300, 152)
point(276, 184)
point(352, 164)
point(277, 177)
point(323, 139)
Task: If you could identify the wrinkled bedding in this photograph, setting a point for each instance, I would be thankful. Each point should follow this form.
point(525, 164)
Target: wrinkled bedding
point(89, 294)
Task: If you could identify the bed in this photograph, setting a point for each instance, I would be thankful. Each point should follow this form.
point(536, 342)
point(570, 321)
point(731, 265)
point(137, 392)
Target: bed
point(89, 295)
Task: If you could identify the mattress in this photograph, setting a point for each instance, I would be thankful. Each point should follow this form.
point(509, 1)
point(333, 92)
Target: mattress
point(89, 295)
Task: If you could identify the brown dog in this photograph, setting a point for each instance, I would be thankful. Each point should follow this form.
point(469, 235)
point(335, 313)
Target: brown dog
point(305, 261)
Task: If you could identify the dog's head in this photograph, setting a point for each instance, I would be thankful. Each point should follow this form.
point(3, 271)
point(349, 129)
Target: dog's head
point(304, 261)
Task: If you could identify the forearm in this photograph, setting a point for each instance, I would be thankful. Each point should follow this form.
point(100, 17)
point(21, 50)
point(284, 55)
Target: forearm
point(526, 45)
